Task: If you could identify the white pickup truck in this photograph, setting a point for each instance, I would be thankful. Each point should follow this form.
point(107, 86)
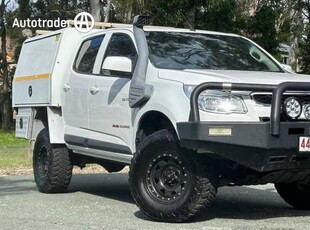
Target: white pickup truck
point(189, 111)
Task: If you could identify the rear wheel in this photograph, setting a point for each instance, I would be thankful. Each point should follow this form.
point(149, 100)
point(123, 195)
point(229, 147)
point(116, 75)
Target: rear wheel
point(52, 167)
point(164, 186)
point(297, 195)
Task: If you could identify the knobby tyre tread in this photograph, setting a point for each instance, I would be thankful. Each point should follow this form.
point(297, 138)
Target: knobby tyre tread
point(200, 193)
point(57, 175)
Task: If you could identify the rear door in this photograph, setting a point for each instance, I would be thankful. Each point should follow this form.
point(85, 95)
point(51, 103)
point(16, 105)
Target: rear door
point(77, 88)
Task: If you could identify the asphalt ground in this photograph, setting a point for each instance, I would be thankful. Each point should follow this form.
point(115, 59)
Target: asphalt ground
point(103, 201)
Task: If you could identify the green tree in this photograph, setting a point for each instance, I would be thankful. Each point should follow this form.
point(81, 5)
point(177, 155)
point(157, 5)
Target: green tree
point(176, 13)
point(260, 20)
point(219, 16)
point(262, 29)
point(6, 111)
point(303, 7)
point(46, 9)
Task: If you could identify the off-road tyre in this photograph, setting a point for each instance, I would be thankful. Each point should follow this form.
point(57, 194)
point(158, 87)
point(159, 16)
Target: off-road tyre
point(164, 185)
point(52, 167)
point(297, 195)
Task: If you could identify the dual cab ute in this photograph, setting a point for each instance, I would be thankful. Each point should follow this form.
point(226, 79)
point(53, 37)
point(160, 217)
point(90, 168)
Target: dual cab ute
point(189, 111)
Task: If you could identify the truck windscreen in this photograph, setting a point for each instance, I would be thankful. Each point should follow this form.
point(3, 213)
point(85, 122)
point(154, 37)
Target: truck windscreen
point(180, 50)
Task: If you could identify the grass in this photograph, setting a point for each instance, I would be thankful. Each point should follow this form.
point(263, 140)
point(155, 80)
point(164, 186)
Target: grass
point(8, 140)
point(13, 151)
point(14, 160)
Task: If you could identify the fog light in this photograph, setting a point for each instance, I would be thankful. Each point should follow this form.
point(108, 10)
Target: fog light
point(307, 112)
point(292, 108)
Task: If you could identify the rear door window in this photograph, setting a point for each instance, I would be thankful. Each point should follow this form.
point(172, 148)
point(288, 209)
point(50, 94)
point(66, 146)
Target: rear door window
point(87, 54)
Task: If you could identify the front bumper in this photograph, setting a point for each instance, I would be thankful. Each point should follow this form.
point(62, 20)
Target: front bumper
point(262, 146)
point(249, 144)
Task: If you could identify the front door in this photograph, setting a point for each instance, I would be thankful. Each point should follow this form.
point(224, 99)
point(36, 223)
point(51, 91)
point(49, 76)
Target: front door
point(109, 111)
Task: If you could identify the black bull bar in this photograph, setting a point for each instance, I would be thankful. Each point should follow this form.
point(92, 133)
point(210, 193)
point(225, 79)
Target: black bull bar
point(262, 146)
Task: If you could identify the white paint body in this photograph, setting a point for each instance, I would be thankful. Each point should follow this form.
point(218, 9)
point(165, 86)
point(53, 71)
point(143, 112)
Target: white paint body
point(91, 106)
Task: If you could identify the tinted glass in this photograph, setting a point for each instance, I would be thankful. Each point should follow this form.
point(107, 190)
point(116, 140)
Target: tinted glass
point(175, 50)
point(87, 55)
point(121, 45)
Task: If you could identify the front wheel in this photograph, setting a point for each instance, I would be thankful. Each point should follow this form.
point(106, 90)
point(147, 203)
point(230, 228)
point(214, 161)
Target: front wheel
point(297, 195)
point(52, 167)
point(165, 187)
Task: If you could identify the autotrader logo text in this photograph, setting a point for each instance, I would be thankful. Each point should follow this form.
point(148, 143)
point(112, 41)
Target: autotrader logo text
point(40, 23)
point(83, 22)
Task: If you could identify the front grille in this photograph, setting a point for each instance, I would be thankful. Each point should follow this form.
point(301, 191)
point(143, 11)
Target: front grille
point(265, 99)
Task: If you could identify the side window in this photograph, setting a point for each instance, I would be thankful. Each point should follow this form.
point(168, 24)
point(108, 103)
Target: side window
point(121, 45)
point(86, 57)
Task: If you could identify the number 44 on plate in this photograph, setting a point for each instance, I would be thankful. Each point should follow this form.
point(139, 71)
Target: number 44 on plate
point(304, 144)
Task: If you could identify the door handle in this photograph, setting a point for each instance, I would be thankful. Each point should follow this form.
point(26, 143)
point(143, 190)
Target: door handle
point(94, 90)
point(66, 87)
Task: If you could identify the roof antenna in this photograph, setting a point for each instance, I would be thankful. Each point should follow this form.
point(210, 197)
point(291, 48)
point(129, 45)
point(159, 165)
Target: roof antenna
point(189, 25)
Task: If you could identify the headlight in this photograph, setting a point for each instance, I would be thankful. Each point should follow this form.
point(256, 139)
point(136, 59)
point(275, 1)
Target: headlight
point(215, 101)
